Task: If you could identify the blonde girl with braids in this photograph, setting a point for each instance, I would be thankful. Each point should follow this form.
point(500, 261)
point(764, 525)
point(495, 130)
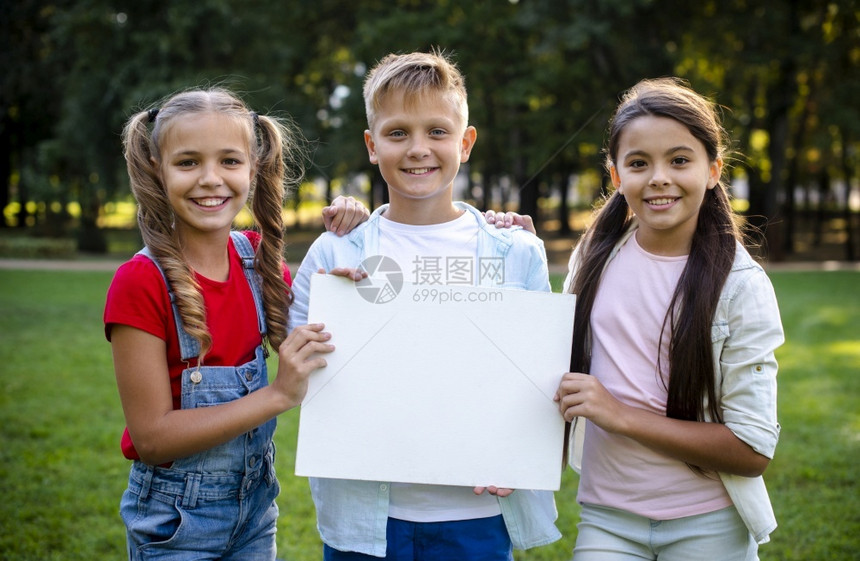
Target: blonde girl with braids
point(672, 389)
point(190, 320)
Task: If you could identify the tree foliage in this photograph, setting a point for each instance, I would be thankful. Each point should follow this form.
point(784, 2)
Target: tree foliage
point(543, 79)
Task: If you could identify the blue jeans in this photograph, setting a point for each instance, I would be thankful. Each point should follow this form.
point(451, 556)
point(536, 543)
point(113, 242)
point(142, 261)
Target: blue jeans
point(218, 503)
point(608, 534)
point(479, 539)
point(176, 517)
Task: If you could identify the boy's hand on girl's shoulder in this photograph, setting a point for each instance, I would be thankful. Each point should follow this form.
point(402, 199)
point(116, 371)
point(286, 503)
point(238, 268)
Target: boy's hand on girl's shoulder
point(508, 219)
point(497, 491)
point(344, 214)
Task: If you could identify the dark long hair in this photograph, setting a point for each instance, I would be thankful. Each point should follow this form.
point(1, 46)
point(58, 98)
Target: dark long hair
point(691, 393)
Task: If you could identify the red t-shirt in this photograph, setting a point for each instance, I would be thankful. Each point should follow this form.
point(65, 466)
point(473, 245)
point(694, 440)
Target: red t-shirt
point(138, 297)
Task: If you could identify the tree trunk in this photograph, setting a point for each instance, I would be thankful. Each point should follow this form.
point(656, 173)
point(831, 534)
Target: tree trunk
point(91, 238)
point(487, 195)
point(23, 215)
point(850, 247)
point(563, 206)
point(5, 167)
point(821, 210)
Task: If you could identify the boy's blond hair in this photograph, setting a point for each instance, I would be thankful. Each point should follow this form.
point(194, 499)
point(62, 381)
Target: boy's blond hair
point(415, 75)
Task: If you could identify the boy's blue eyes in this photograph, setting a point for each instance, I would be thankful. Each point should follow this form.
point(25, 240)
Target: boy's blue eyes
point(433, 132)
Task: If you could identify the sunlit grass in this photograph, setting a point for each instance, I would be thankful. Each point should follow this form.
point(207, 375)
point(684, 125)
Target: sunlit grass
point(61, 472)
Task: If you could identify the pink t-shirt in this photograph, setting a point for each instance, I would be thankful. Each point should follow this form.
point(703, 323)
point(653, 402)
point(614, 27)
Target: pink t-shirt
point(626, 324)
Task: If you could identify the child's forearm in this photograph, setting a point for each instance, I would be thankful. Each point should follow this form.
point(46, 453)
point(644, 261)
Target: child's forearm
point(710, 446)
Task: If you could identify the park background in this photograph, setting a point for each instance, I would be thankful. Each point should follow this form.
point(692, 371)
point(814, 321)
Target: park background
point(543, 77)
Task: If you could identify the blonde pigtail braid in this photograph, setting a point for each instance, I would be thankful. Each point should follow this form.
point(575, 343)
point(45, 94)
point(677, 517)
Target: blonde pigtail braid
point(189, 298)
point(155, 220)
point(267, 207)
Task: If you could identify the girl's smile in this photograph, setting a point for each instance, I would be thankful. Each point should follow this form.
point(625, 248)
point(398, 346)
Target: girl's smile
point(663, 172)
point(211, 203)
point(206, 169)
point(664, 202)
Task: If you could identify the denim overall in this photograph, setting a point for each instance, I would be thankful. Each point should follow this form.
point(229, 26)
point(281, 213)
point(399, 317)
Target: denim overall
point(217, 504)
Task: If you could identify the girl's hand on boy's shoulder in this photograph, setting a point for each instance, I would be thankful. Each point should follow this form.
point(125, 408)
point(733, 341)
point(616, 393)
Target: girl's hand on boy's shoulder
point(344, 214)
point(497, 491)
point(508, 219)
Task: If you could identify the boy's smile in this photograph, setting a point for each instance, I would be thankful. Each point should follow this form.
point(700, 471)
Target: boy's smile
point(419, 145)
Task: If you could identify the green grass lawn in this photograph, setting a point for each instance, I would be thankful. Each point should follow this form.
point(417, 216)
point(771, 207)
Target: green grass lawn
point(61, 472)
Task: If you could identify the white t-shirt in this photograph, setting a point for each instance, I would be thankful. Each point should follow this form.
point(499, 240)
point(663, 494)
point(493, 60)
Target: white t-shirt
point(435, 255)
point(626, 324)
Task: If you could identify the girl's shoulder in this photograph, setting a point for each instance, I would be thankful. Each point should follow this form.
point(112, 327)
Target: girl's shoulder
point(253, 236)
point(748, 284)
point(138, 268)
point(745, 269)
point(744, 260)
point(137, 296)
point(137, 277)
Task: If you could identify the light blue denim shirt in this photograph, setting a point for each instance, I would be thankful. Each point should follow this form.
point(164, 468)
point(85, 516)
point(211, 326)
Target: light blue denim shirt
point(745, 332)
point(352, 515)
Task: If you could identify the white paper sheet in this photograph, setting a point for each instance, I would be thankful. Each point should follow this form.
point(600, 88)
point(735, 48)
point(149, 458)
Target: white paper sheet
point(453, 387)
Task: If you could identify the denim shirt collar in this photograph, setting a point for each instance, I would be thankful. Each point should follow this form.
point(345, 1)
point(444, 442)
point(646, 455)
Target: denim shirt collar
point(366, 236)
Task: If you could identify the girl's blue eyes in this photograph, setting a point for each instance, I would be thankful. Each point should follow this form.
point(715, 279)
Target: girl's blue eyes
point(226, 162)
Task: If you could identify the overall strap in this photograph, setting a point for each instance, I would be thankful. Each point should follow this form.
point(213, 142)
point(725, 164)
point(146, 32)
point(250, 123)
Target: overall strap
point(189, 347)
point(246, 252)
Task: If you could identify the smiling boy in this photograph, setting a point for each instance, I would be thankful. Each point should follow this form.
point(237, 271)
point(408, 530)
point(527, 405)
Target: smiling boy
point(418, 135)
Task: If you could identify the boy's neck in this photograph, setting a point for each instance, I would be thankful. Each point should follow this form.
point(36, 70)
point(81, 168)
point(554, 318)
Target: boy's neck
point(422, 212)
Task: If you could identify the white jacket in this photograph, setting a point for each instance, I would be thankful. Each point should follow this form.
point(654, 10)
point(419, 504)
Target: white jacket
point(745, 332)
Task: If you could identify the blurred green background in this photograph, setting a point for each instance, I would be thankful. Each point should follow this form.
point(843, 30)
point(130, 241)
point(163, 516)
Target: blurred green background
point(543, 78)
point(62, 472)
